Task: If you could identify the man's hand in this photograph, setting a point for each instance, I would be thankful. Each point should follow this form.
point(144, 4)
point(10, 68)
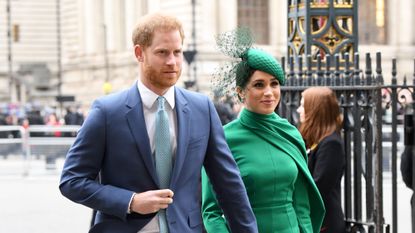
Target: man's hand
point(151, 201)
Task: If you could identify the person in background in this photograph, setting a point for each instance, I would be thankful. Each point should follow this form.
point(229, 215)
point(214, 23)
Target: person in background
point(407, 154)
point(148, 144)
point(54, 122)
point(224, 107)
point(320, 125)
point(3, 122)
point(73, 117)
point(35, 117)
point(406, 168)
point(269, 151)
point(70, 117)
point(79, 116)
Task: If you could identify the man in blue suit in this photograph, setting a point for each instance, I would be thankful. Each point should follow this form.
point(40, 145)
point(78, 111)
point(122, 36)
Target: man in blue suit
point(116, 143)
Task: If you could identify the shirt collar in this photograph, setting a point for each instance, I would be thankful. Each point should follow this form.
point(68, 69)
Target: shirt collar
point(149, 97)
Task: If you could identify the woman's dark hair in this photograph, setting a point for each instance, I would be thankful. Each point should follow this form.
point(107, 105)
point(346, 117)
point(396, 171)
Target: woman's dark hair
point(243, 74)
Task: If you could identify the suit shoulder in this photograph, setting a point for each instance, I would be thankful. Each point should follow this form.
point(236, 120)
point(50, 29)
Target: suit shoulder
point(191, 95)
point(196, 101)
point(112, 103)
point(113, 98)
point(332, 144)
point(333, 138)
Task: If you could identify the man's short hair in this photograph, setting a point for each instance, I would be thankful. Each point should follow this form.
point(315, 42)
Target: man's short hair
point(144, 31)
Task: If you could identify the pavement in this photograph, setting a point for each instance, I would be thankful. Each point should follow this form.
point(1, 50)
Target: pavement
point(403, 199)
point(30, 200)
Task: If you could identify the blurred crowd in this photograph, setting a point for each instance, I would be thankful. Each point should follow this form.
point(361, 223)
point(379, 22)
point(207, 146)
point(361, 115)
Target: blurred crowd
point(227, 106)
point(13, 114)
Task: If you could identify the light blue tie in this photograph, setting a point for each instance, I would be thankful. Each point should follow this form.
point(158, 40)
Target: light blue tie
point(163, 155)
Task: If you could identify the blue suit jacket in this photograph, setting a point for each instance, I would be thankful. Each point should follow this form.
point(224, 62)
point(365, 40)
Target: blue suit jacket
point(113, 142)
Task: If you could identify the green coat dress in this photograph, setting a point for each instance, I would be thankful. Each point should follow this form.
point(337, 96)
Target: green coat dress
point(272, 160)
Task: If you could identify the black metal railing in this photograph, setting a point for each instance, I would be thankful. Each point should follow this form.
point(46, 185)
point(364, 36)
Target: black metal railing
point(372, 112)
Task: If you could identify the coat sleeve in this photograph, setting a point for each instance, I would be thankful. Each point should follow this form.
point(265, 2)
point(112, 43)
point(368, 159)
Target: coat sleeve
point(406, 166)
point(82, 166)
point(226, 180)
point(328, 167)
point(301, 204)
point(211, 212)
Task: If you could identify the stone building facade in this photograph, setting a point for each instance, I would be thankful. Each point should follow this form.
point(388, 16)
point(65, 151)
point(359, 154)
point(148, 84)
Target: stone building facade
point(97, 53)
point(30, 73)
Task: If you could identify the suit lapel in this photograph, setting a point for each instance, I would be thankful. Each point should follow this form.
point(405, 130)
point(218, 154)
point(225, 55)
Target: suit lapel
point(136, 123)
point(183, 129)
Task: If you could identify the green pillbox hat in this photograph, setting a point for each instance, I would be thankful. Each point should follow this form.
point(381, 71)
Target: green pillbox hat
point(263, 61)
point(237, 44)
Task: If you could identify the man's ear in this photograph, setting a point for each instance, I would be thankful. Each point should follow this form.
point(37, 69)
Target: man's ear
point(138, 50)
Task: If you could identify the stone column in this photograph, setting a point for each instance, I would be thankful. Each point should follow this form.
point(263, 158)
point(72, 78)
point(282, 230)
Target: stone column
point(227, 15)
point(405, 20)
point(93, 24)
point(152, 5)
point(403, 36)
point(23, 93)
point(278, 26)
point(210, 21)
point(114, 19)
point(132, 12)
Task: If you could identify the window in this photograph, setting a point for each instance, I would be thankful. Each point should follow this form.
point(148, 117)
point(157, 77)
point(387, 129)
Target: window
point(372, 22)
point(254, 15)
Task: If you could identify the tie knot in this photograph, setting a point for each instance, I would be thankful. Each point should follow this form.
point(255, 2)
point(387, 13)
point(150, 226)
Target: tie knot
point(161, 101)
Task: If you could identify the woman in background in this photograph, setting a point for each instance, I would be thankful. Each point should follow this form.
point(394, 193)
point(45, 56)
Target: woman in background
point(320, 125)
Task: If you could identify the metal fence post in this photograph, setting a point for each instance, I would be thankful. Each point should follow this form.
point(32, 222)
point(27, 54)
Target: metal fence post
point(413, 154)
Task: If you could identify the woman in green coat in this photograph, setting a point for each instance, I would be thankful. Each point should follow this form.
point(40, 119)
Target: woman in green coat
point(269, 151)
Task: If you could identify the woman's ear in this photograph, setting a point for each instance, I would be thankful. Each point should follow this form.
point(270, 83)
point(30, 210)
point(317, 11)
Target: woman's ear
point(241, 94)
